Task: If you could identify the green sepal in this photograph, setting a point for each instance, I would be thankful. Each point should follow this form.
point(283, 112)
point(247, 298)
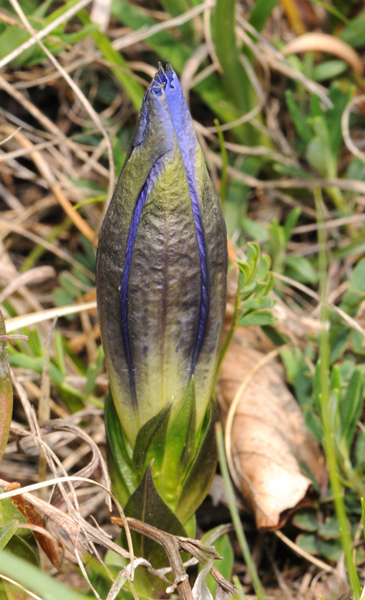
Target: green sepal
point(147, 505)
point(119, 487)
point(151, 442)
point(202, 469)
point(180, 448)
point(123, 472)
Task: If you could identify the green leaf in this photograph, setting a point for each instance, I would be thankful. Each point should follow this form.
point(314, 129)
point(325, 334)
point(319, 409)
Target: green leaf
point(331, 549)
point(300, 123)
point(151, 442)
point(180, 447)
point(93, 371)
point(125, 478)
point(352, 406)
point(35, 363)
point(260, 13)
point(202, 470)
point(330, 529)
point(308, 542)
point(339, 101)
point(314, 424)
point(224, 36)
point(329, 69)
point(6, 390)
point(303, 270)
point(291, 222)
point(257, 317)
point(7, 532)
point(318, 156)
point(306, 520)
point(147, 505)
point(258, 303)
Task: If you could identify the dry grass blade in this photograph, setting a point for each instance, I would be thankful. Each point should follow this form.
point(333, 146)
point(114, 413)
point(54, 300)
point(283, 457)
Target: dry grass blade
point(31, 277)
point(322, 42)
point(46, 172)
point(146, 32)
point(345, 124)
point(45, 315)
point(7, 227)
point(77, 529)
point(90, 110)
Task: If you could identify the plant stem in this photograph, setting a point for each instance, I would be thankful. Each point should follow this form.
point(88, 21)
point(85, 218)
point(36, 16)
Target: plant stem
point(236, 517)
point(328, 437)
point(224, 155)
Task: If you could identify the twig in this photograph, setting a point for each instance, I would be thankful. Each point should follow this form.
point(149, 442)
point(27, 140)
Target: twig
point(172, 548)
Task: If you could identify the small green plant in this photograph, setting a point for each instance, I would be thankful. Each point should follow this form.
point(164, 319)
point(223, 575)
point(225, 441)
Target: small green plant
point(320, 136)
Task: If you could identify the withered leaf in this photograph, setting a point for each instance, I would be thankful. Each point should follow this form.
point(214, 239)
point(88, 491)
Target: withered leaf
point(269, 439)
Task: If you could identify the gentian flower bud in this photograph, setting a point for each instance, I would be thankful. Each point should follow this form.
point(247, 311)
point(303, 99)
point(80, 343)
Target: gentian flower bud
point(161, 268)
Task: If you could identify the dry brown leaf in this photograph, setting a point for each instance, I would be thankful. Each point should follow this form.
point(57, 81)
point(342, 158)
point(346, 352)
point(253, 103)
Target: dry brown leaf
point(322, 42)
point(269, 438)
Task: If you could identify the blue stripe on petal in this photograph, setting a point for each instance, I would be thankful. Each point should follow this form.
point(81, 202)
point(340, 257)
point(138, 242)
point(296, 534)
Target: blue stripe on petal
point(167, 83)
point(145, 191)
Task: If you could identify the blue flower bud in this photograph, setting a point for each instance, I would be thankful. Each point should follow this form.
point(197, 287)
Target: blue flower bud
point(161, 266)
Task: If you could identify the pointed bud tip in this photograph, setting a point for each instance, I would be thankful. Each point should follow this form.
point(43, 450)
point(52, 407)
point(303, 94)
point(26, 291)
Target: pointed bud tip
point(162, 78)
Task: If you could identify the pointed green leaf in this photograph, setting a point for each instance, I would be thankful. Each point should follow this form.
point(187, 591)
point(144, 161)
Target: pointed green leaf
point(147, 505)
point(334, 115)
point(151, 441)
point(201, 471)
point(180, 446)
point(352, 406)
point(300, 123)
point(120, 459)
point(291, 221)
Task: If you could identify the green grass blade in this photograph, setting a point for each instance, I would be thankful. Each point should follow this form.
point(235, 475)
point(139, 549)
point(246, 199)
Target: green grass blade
point(260, 13)
point(226, 47)
point(33, 579)
point(236, 517)
point(324, 397)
